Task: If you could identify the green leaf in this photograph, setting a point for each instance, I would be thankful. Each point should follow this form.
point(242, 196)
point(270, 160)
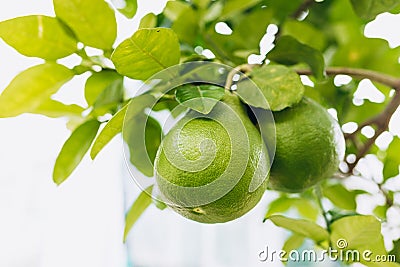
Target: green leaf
point(135, 108)
point(369, 9)
point(380, 211)
point(339, 214)
point(279, 205)
point(289, 51)
point(213, 12)
point(148, 21)
point(138, 207)
point(305, 33)
point(280, 86)
point(307, 209)
point(111, 97)
point(314, 94)
point(74, 150)
point(302, 227)
point(360, 233)
point(55, 109)
point(396, 250)
point(112, 128)
point(29, 89)
point(292, 243)
point(392, 159)
point(245, 24)
point(390, 168)
point(147, 52)
point(173, 9)
point(251, 95)
point(38, 36)
point(234, 7)
point(169, 104)
point(284, 204)
point(203, 4)
point(97, 83)
point(143, 137)
point(201, 98)
point(239, 45)
point(283, 9)
point(129, 9)
point(138, 104)
point(92, 21)
point(341, 197)
point(186, 26)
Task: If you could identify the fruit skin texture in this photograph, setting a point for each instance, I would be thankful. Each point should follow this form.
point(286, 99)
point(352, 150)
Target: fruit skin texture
point(309, 147)
point(190, 143)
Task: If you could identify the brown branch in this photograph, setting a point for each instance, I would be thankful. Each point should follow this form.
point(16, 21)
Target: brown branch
point(381, 121)
point(389, 199)
point(375, 76)
point(302, 8)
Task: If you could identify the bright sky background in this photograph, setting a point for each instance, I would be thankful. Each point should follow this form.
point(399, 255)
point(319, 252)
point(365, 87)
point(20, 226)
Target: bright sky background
point(80, 224)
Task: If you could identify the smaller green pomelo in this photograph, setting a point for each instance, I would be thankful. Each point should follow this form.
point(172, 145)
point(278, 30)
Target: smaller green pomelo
point(218, 161)
point(309, 147)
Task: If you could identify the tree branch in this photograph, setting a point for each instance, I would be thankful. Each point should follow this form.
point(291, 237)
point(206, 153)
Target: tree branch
point(379, 77)
point(382, 123)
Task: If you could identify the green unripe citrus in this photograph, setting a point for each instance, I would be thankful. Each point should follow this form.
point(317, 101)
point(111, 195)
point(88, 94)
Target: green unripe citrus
point(213, 168)
point(309, 147)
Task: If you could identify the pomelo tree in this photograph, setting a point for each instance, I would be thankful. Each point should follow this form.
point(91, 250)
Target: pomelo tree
point(291, 50)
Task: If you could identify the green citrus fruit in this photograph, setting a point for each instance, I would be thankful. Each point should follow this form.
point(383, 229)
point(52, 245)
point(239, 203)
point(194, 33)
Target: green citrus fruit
point(213, 168)
point(309, 147)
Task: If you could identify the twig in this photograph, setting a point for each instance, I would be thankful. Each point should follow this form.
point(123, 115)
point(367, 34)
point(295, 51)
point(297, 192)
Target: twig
point(302, 8)
point(237, 70)
point(389, 199)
